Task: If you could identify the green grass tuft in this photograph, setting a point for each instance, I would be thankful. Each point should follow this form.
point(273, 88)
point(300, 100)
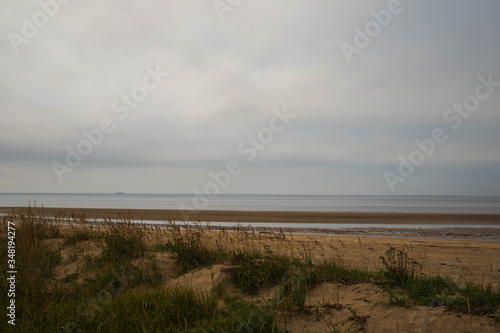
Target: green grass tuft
point(191, 253)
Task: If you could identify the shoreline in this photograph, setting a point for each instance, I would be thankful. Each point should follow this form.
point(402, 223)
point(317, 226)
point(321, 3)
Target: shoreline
point(451, 226)
point(269, 216)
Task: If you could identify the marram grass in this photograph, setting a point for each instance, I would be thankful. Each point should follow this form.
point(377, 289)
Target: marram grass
point(111, 292)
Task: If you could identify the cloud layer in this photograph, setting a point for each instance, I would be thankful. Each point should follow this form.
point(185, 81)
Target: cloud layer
point(353, 120)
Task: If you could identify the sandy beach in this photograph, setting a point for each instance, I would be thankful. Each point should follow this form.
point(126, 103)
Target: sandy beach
point(461, 254)
point(462, 261)
point(272, 216)
point(452, 226)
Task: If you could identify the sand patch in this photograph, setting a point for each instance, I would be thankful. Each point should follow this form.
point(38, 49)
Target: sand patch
point(365, 307)
point(202, 280)
point(167, 266)
point(73, 260)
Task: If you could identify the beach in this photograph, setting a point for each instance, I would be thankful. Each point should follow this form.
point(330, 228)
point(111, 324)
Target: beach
point(272, 216)
point(485, 227)
point(360, 299)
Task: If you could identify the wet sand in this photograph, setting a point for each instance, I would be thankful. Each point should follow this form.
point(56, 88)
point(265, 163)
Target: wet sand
point(459, 224)
point(272, 216)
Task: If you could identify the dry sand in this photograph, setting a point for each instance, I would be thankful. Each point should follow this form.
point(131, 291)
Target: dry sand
point(464, 261)
point(334, 303)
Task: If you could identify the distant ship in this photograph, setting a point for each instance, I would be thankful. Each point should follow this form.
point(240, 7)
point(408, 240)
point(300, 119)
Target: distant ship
point(119, 192)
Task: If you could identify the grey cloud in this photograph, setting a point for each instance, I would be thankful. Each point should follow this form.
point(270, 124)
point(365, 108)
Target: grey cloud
point(226, 77)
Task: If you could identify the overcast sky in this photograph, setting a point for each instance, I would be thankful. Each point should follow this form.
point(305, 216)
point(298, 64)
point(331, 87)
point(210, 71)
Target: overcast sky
point(350, 106)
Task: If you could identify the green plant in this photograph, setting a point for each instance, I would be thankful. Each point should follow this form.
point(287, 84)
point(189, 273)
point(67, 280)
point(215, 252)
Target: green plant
point(400, 268)
point(359, 321)
point(480, 300)
point(123, 241)
point(191, 253)
point(219, 289)
point(79, 235)
point(255, 270)
point(70, 277)
point(159, 247)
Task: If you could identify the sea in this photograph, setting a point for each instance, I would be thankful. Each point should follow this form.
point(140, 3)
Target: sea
point(252, 202)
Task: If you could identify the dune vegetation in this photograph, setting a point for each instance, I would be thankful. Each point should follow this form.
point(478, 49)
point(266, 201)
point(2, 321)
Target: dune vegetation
point(75, 274)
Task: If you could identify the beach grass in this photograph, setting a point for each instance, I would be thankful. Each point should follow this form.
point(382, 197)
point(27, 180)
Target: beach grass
point(118, 286)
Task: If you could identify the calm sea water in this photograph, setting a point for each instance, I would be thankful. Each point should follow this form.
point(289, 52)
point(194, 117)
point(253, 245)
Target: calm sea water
point(323, 203)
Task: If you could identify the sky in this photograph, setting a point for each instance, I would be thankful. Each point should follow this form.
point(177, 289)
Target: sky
point(240, 96)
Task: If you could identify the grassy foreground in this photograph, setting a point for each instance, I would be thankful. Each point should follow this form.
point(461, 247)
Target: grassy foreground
point(118, 286)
